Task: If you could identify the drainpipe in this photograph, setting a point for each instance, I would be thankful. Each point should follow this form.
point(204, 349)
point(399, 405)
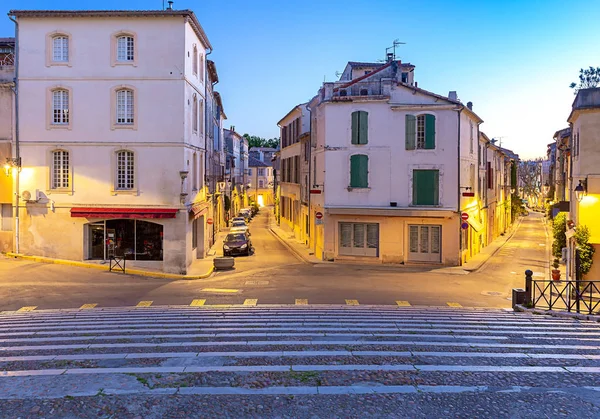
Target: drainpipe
point(459, 111)
point(17, 148)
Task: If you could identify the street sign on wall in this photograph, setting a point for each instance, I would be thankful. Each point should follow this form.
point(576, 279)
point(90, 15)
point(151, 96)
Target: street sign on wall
point(209, 221)
point(464, 216)
point(318, 215)
point(464, 226)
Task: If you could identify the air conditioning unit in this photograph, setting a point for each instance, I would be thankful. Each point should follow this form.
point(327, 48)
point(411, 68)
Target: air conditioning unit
point(31, 197)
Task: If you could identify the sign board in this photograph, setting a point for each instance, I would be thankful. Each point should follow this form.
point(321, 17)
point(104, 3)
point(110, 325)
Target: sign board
point(318, 215)
point(315, 191)
point(468, 194)
point(209, 221)
point(464, 226)
point(318, 221)
point(464, 216)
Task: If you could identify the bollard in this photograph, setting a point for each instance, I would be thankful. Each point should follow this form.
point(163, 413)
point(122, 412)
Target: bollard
point(528, 286)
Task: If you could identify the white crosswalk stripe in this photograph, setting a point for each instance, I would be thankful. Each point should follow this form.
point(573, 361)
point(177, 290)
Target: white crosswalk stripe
point(483, 350)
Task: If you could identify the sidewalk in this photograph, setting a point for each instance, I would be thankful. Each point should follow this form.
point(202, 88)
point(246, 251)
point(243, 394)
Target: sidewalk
point(201, 266)
point(306, 255)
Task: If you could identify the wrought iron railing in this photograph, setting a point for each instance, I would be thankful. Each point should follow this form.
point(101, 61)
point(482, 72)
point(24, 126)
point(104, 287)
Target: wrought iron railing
point(572, 296)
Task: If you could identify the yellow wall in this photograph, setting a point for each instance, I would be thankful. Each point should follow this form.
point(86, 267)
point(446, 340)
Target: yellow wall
point(589, 211)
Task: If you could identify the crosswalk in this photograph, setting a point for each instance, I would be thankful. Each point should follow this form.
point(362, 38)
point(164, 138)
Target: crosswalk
point(293, 350)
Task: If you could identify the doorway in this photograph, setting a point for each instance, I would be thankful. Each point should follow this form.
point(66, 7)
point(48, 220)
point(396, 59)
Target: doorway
point(424, 243)
point(97, 239)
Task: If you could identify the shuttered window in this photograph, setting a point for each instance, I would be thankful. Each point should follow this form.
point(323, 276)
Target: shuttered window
point(420, 132)
point(358, 239)
point(359, 171)
point(426, 187)
point(360, 127)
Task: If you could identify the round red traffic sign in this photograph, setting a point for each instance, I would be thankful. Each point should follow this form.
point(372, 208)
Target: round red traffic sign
point(464, 216)
point(318, 215)
point(209, 221)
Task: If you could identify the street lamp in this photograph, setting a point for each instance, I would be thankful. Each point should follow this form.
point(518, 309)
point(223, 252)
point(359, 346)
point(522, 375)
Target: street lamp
point(546, 188)
point(11, 163)
point(581, 190)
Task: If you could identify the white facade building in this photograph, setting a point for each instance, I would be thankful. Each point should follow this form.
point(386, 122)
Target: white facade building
point(112, 134)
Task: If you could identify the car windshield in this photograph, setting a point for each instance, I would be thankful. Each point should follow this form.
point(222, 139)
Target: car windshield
point(239, 224)
point(235, 237)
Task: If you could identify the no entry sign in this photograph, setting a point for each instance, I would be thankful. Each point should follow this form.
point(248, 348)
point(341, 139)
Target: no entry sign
point(318, 215)
point(209, 221)
point(464, 216)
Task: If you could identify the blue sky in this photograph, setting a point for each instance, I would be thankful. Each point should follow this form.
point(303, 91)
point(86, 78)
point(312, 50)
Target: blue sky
point(513, 59)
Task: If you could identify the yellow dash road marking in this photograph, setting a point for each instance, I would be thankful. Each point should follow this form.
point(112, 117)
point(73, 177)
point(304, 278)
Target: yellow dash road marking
point(250, 301)
point(403, 303)
point(144, 304)
point(88, 306)
point(454, 305)
point(352, 302)
point(301, 301)
point(220, 290)
point(197, 303)
point(28, 308)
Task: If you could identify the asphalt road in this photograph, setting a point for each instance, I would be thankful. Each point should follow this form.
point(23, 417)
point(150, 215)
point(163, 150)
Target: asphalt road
point(273, 275)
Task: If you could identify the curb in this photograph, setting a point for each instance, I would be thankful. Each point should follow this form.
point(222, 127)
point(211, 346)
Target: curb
point(563, 314)
point(137, 272)
point(290, 248)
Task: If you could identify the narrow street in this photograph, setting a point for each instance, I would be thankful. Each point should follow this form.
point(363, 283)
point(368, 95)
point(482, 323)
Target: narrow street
point(273, 275)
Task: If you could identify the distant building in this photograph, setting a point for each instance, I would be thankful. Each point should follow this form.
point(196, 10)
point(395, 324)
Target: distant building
point(260, 182)
point(7, 137)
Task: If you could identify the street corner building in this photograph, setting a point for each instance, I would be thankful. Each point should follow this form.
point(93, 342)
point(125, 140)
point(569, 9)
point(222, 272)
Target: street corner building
point(388, 172)
point(120, 145)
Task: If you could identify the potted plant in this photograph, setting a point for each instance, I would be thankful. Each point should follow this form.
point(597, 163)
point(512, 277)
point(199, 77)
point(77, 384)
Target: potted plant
point(555, 271)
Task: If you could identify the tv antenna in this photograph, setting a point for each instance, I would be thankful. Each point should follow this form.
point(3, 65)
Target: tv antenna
point(395, 45)
point(499, 139)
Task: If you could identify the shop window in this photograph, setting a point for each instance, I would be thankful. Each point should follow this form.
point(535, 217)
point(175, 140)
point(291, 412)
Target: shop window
point(132, 239)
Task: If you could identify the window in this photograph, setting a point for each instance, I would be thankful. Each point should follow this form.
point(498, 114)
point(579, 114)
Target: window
point(195, 171)
point(195, 233)
point(201, 116)
point(425, 187)
point(6, 216)
point(261, 171)
point(60, 49)
point(125, 170)
point(194, 113)
point(125, 48)
point(60, 170)
point(125, 114)
point(343, 92)
point(359, 171)
point(424, 243)
point(201, 69)
point(420, 132)
point(364, 92)
point(249, 172)
point(471, 145)
point(359, 239)
point(261, 183)
point(60, 107)
point(404, 77)
point(360, 127)
point(195, 61)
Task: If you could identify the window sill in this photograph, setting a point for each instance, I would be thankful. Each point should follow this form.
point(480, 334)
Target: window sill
point(124, 192)
point(358, 189)
point(59, 126)
point(59, 64)
point(124, 126)
point(59, 191)
point(119, 63)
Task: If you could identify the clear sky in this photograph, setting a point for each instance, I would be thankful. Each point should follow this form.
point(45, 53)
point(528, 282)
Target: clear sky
point(513, 59)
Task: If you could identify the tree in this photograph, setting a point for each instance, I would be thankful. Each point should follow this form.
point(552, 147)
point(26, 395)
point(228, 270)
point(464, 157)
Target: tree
point(589, 77)
point(586, 250)
point(254, 141)
point(530, 177)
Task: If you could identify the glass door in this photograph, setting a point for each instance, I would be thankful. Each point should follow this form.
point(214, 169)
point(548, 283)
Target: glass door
point(96, 241)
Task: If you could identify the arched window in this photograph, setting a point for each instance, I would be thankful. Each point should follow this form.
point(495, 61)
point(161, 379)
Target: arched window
point(343, 92)
point(125, 109)
point(195, 113)
point(195, 61)
point(125, 175)
point(364, 92)
point(60, 107)
point(60, 170)
point(125, 48)
point(359, 171)
point(420, 132)
point(60, 49)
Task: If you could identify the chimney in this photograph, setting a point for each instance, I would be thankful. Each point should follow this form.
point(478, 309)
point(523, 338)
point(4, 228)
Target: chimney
point(416, 84)
point(452, 95)
point(232, 128)
point(390, 57)
point(169, 5)
point(470, 105)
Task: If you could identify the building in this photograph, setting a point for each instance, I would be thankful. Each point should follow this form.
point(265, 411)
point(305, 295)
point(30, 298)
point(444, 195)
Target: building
point(123, 174)
point(236, 170)
point(264, 154)
point(294, 155)
point(394, 167)
point(7, 146)
point(583, 185)
point(260, 182)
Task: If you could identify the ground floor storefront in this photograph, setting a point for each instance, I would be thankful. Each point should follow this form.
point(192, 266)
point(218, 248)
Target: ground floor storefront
point(401, 237)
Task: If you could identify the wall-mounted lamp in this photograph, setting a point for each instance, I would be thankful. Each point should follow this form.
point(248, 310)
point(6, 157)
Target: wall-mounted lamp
point(581, 190)
point(10, 164)
point(546, 188)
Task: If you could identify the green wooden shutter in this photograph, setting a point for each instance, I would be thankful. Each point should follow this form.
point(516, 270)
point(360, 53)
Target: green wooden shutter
point(411, 127)
point(429, 132)
point(426, 187)
point(363, 127)
point(359, 171)
point(355, 124)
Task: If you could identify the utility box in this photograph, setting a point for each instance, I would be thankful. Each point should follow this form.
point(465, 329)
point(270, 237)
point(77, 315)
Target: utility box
point(518, 297)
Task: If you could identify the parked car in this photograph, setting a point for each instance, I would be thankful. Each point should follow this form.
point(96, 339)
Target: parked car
point(246, 214)
point(234, 219)
point(238, 226)
point(237, 243)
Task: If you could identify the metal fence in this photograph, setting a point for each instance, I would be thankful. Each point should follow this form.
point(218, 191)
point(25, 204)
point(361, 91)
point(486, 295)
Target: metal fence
point(572, 296)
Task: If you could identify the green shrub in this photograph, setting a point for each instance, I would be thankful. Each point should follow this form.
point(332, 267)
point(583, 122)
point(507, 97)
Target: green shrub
point(586, 251)
point(559, 226)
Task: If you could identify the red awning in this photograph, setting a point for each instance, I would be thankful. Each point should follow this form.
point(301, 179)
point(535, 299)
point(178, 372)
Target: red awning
point(124, 212)
point(199, 208)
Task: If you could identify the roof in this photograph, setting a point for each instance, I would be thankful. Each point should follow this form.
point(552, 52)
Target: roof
point(366, 76)
point(509, 153)
point(291, 111)
point(9, 41)
point(358, 64)
point(117, 13)
point(586, 99)
point(562, 133)
point(212, 70)
point(271, 149)
point(217, 96)
point(253, 162)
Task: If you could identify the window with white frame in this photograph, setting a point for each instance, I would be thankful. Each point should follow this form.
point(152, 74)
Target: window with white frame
point(125, 109)
point(261, 171)
point(125, 48)
point(195, 113)
point(60, 49)
point(125, 170)
point(60, 170)
point(60, 107)
point(195, 61)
